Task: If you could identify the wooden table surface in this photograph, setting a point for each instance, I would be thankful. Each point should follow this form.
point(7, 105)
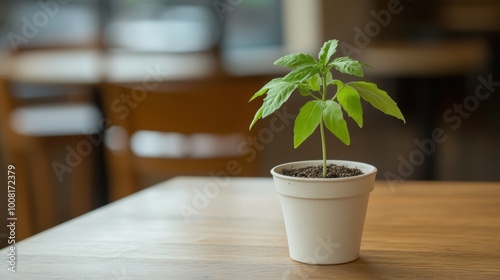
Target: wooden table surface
point(414, 230)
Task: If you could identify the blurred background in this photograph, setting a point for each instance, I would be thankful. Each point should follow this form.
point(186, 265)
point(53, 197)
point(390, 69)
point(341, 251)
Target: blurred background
point(82, 127)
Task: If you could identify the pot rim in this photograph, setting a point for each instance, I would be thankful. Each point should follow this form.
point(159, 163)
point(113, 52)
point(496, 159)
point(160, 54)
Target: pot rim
point(371, 170)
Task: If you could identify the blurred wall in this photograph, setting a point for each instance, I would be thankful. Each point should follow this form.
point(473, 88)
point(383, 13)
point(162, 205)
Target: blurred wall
point(428, 101)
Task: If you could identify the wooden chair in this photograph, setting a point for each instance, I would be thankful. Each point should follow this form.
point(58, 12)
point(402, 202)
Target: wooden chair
point(188, 110)
point(43, 200)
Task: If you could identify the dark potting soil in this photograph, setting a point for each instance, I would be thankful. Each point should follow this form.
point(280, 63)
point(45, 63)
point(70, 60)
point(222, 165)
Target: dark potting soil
point(333, 171)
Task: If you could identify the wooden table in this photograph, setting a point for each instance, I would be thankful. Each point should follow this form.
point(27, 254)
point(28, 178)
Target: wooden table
point(415, 230)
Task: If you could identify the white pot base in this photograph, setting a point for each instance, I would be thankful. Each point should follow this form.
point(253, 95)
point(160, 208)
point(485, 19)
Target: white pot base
point(324, 264)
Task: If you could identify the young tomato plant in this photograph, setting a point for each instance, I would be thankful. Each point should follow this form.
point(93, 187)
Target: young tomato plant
point(312, 78)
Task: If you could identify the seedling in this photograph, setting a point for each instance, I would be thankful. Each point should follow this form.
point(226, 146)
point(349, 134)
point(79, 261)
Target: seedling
point(312, 78)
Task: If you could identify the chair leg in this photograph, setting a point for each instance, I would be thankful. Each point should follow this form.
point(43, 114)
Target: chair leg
point(43, 189)
point(81, 186)
point(122, 179)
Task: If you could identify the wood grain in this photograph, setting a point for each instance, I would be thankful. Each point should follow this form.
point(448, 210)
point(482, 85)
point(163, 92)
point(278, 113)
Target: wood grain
point(417, 230)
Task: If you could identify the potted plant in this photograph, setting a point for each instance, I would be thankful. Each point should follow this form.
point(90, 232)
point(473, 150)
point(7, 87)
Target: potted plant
point(324, 201)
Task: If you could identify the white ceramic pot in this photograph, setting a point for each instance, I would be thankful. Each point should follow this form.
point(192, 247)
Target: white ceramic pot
point(324, 218)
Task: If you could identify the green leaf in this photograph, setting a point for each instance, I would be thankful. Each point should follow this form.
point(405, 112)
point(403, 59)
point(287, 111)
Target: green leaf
point(334, 121)
point(295, 60)
point(347, 65)
point(276, 96)
point(329, 78)
point(307, 120)
point(301, 73)
point(266, 87)
point(327, 51)
point(278, 91)
point(338, 83)
point(257, 116)
point(258, 93)
point(304, 90)
point(378, 98)
point(314, 82)
point(350, 101)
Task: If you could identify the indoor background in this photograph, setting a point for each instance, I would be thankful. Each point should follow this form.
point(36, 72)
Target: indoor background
point(438, 59)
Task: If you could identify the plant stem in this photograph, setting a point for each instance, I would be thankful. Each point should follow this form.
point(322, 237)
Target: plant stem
point(315, 97)
point(323, 146)
point(322, 126)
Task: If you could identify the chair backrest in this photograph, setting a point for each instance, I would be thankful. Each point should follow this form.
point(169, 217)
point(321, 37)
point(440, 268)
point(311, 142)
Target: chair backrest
point(200, 126)
point(34, 148)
